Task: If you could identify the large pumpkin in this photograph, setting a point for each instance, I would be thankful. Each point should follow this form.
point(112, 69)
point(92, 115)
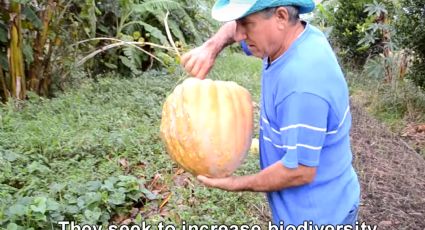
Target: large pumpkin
point(207, 126)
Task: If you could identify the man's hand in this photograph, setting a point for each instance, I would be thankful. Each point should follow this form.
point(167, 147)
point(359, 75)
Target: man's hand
point(227, 183)
point(273, 178)
point(199, 61)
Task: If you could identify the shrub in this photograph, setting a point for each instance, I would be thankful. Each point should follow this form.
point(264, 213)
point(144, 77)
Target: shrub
point(411, 30)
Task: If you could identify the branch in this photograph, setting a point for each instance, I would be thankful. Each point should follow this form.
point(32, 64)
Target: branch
point(170, 38)
point(82, 61)
point(133, 43)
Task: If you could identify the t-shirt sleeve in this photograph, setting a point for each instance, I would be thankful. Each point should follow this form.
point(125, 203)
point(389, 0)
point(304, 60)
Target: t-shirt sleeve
point(302, 119)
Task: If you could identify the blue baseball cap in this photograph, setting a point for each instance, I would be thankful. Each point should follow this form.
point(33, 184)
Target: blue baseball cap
point(229, 10)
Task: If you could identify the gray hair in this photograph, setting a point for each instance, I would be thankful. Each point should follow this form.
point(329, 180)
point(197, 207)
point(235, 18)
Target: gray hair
point(294, 13)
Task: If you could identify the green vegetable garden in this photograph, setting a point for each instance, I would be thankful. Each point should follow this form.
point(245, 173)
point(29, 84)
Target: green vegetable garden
point(82, 89)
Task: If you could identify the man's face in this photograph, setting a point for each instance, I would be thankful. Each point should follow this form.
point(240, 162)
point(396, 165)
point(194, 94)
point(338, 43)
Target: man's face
point(258, 32)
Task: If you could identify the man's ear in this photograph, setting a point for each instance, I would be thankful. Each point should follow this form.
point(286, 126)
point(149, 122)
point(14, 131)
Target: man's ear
point(282, 17)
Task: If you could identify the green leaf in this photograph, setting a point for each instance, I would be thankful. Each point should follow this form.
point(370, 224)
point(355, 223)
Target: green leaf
point(72, 209)
point(71, 199)
point(57, 187)
point(3, 33)
point(92, 198)
point(23, 2)
point(110, 65)
point(175, 29)
point(38, 167)
point(131, 60)
point(32, 17)
point(11, 156)
point(17, 210)
point(117, 198)
point(52, 205)
point(39, 205)
point(138, 218)
point(3, 61)
point(12, 226)
point(375, 68)
point(92, 216)
point(153, 31)
point(156, 5)
point(28, 52)
point(109, 183)
point(94, 185)
point(148, 194)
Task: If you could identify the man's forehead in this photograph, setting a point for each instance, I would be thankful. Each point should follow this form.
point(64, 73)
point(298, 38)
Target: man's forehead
point(248, 18)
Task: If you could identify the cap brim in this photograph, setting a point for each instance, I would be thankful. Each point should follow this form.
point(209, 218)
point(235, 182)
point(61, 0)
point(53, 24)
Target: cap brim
point(231, 11)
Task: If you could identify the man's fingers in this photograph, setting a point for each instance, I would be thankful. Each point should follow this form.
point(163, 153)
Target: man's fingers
point(184, 58)
point(197, 62)
point(202, 179)
point(196, 69)
point(190, 64)
point(202, 74)
point(205, 180)
point(226, 183)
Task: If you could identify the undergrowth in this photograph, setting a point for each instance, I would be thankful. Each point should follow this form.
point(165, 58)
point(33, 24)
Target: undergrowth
point(93, 155)
point(396, 103)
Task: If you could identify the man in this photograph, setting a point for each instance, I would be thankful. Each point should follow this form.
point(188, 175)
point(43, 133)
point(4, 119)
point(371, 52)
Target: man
point(305, 153)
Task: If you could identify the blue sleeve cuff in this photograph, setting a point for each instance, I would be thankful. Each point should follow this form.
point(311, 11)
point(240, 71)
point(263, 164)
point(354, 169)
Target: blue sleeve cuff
point(295, 164)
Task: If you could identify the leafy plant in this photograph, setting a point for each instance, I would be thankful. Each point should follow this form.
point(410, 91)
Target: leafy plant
point(42, 39)
point(394, 63)
point(411, 33)
point(346, 23)
point(139, 24)
point(94, 155)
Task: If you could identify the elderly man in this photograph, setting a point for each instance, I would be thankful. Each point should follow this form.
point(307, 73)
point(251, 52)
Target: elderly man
point(305, 153)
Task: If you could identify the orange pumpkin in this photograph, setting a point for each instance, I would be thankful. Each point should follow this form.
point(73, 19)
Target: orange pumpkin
point(207, 126)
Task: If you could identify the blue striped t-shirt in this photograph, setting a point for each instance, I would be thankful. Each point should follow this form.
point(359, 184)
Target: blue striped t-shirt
point(305, 120)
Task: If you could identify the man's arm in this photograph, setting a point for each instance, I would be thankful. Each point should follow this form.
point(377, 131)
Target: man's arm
point(273, 178)
point(199, 61)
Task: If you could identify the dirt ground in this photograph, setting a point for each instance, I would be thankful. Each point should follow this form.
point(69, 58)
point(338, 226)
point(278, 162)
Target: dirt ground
point(391, 172)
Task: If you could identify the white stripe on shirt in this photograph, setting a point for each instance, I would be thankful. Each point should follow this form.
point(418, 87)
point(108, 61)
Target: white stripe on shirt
point(292, 147)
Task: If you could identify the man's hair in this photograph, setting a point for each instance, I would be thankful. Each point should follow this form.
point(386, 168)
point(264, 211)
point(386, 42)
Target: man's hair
point(294, 13)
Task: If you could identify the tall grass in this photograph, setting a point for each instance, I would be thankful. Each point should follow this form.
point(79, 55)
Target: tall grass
point(396, 103)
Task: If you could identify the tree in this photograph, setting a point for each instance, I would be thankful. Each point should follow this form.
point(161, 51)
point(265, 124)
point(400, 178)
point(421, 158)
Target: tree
point(348, 17)
point(411, 30)
point(16, 83)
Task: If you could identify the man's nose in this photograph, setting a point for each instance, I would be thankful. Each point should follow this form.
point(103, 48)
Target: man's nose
point(240, 32)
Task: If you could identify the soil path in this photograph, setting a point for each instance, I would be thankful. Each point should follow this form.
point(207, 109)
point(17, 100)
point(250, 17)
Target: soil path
point(392, 175)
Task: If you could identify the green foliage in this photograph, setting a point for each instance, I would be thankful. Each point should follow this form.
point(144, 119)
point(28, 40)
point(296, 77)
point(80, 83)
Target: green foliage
point(411, 29)
point(323, 17)
point(91, 156)
point(64, 152)
point(376, 8)
point(404, 101)
point(51, 57)
point(348, 16)
point(142, 21)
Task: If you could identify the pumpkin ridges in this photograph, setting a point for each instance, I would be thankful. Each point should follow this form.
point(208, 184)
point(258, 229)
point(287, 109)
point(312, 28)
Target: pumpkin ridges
point(191, 103)
point(248, 114)
point(229, 139)
point(177, 127)
point(239, 118)
point(204, 126)
point(211, 141)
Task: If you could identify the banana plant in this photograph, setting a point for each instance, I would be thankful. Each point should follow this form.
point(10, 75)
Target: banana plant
point(137, 28)
point(15, 85)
